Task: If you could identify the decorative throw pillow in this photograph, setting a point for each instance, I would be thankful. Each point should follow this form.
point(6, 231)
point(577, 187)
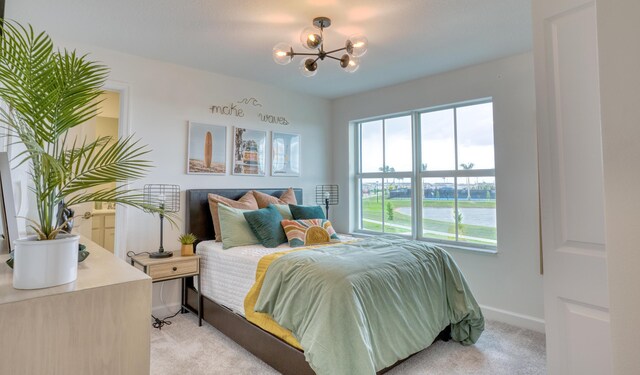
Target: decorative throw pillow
point(264, 200)
point(306, 212)
point(284, 211)
point(308, 232)
point(234, 229)
point(247, 202)
point(265, 224)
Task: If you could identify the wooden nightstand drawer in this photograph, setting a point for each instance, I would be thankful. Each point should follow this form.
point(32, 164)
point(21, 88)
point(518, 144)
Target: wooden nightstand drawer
point(173, 269)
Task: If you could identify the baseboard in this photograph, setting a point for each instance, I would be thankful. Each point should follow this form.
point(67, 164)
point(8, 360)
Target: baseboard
point(514, 319)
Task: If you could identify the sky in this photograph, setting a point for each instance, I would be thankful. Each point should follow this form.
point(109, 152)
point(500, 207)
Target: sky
point(475, 140)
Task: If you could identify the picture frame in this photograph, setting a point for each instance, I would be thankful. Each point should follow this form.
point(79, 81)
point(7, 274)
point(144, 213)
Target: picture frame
point(249, 149)
point(207, 149)
point(285, 154)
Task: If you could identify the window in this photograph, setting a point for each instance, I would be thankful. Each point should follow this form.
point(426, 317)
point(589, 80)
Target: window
point(386, 159)
point(430, 175)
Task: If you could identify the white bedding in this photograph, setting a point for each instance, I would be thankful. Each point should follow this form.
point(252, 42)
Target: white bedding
point(228, 275)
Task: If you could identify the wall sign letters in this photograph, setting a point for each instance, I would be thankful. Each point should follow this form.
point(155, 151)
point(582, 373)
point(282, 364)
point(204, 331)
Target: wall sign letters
point(239, 109)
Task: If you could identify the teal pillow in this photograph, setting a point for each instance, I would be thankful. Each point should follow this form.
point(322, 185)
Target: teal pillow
point(306, 212)
point(234, 229)
point(284, 211)
point(265, 224)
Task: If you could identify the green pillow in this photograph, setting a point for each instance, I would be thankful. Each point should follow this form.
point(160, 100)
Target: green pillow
point(306, 212)
point(235, 230)
point(284, 211)
point(265, 224)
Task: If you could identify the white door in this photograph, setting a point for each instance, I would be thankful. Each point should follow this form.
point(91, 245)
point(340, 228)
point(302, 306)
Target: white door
point(571, 187)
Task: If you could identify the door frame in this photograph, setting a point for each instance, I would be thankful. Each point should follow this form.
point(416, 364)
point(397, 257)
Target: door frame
point(124, 130)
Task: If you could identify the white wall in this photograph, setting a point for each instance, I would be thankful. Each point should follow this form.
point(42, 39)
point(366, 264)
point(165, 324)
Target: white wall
point(507, 284)
point(163, 97)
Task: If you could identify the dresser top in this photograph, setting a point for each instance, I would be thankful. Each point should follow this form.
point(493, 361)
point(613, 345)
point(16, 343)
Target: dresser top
point(100, 269)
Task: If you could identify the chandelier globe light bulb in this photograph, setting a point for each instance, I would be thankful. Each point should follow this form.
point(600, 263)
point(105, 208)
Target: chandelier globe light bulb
point(282, 53)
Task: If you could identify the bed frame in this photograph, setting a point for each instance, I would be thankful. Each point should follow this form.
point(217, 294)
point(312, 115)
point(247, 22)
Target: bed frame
point(275, 352)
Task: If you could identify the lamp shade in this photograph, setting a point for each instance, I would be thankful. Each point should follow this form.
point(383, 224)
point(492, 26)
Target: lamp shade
point(349, 63)
point(282, 53)
point(357, 45)
point(164, 196)
point(327, 192)
point(311, 38)
point(308, 67)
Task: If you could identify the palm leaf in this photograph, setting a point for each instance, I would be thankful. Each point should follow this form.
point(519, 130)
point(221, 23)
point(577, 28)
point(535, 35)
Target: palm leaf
point(48, 93)
point(99, 162)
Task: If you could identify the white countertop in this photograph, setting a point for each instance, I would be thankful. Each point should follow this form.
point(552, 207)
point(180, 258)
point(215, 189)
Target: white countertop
point(100, 269)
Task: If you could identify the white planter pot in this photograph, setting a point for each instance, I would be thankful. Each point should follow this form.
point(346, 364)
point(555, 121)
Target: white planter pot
point(43, 264)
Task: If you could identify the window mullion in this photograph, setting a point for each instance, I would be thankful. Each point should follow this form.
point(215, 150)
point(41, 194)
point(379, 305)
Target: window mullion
point(358, 163)
point(416, 221)
point(384, 168)
point(455, 179)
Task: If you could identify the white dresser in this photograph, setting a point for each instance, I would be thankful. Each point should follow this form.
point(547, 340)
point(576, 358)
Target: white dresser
point(99, 324)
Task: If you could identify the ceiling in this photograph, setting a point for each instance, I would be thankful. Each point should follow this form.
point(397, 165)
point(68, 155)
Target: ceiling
point(408, 39)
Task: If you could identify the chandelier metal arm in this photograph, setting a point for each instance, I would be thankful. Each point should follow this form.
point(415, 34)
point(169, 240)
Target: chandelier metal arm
point(333, 57)
point(303, 54)
point(336, 50)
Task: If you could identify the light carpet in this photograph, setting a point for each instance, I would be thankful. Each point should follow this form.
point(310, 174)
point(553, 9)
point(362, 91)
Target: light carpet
point(184, 348)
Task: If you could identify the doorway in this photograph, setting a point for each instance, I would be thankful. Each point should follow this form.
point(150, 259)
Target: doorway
point(97, 221)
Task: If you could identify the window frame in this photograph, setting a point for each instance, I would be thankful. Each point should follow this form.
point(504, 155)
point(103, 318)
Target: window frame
point(417, 175)
point(382, 175)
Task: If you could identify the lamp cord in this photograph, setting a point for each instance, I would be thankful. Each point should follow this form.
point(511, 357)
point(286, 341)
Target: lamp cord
point(158, 323)
point(132, 254)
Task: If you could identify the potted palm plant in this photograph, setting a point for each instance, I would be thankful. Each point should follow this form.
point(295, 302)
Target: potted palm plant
point(45, 93)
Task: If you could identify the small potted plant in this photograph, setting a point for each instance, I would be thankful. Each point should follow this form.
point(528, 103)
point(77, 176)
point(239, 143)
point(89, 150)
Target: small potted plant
point(46, 93)
point(187, 240)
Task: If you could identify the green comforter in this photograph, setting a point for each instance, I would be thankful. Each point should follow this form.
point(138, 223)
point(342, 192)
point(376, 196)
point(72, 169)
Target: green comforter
point(360, 307)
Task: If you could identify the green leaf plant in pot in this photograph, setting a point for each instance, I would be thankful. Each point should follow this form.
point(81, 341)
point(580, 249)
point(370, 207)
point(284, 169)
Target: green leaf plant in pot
point(187, 240)
point(45, 93)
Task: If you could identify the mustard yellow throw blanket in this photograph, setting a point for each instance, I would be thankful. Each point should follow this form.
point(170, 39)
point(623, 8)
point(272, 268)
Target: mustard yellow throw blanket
point(262, 320)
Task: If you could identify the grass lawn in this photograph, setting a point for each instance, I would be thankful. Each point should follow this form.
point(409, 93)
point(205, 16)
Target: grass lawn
point(372, 209)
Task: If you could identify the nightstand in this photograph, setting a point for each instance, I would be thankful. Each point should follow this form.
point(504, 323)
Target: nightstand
point(175, 267)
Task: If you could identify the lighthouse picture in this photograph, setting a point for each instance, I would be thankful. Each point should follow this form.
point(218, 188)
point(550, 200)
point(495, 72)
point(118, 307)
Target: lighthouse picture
point(249, 152)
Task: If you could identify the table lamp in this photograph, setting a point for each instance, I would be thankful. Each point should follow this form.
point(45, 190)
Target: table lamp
point(167, 198)
point(327, 195)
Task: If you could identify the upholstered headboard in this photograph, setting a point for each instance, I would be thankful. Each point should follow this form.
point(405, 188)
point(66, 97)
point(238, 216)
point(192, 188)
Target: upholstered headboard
point(199, 221)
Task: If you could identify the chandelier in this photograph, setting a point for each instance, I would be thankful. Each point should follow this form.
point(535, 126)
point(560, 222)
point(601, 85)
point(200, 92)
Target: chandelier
point(312, 39)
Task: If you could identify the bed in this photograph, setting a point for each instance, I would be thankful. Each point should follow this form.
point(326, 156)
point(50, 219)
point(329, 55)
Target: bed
point(222, 296)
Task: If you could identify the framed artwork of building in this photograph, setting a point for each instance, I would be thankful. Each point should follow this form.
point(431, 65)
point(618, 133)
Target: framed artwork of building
point(249, 147)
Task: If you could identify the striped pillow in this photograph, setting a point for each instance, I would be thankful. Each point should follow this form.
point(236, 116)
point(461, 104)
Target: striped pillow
point(308, 232)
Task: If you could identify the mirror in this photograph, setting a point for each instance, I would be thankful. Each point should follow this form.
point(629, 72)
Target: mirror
point(9, 228)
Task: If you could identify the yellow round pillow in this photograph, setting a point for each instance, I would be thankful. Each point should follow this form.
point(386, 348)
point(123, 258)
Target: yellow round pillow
point(316, 235)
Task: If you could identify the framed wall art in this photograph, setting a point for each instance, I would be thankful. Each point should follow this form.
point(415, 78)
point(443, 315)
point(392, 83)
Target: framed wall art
point(285, 154)
point(207, 149)
point(249, 148)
